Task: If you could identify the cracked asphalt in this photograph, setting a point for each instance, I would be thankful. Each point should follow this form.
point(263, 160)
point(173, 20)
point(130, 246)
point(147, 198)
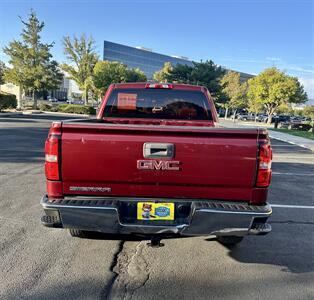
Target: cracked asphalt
point(41, 263)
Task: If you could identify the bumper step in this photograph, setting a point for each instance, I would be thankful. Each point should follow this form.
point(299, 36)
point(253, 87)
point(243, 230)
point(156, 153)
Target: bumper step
point(260, 229)
point(51, 221)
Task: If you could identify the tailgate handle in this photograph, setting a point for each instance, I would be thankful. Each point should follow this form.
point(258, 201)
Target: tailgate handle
point(156, 150)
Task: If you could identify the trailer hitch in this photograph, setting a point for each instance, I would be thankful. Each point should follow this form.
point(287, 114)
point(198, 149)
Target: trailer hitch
point(155, 243)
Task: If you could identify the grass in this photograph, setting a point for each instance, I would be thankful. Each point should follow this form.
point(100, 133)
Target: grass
point(304, 134)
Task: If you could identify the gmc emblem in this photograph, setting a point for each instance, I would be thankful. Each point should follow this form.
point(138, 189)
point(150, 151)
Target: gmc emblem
point(170, 165)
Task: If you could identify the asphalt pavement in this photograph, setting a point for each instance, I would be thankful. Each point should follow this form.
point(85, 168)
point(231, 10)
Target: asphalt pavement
point(42, 263)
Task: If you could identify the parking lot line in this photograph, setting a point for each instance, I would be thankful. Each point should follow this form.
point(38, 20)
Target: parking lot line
point(292, 206)
point(294, 157)
point(280, 145)
point(293, 174)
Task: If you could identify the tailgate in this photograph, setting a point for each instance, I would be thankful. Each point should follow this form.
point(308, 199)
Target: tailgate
point(214, 163)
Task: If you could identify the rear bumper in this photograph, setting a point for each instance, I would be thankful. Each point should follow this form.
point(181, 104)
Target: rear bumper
point(206, 217)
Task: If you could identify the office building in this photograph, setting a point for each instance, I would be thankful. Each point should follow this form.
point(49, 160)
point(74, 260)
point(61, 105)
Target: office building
point(146, 60)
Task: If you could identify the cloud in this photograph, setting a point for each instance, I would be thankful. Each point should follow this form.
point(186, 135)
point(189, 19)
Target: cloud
point(273, 58)
point(244, 60)
point(299, 69)
point(308, 84)
point(279, 63)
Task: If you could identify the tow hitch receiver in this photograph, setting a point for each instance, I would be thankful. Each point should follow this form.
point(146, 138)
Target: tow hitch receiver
point(155, 243)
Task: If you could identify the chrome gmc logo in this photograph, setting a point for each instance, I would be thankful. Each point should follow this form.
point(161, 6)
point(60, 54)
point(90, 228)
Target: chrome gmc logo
point(170, 165)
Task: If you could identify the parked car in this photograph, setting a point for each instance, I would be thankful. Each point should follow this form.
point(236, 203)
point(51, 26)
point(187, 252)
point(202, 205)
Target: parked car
point(154, 164)
point(245, 117)
point(278, 118)
point(306, 119)
point(80, 102)
point(52, 99)
point(295, 120)
point(261, 117)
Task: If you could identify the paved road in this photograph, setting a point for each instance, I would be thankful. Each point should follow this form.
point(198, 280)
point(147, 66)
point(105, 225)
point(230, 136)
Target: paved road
point(40, 263)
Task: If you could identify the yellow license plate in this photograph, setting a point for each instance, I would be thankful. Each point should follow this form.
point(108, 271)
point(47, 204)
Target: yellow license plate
point(155, 211)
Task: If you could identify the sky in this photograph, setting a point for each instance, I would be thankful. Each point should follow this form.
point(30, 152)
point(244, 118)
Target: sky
point(244, 35)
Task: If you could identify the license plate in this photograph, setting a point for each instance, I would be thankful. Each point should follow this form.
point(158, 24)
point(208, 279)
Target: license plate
point(155, 211)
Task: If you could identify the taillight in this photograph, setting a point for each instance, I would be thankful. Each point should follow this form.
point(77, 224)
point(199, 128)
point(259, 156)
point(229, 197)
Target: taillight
point(52, 148)
point(158, 86)
point(264, 165)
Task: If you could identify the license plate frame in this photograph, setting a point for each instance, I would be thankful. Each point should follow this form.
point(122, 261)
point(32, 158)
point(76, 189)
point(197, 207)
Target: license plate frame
point(155, 211)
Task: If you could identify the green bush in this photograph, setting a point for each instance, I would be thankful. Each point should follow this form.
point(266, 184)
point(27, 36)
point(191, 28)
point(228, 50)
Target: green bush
point(62, 107)
point(302, 127)
point(76, 109)
point(45, 107)
point(68, 108)
point(7, 101)
point(54, 109)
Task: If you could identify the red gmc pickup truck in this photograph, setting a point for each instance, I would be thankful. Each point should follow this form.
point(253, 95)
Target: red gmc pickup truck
point(155, 163)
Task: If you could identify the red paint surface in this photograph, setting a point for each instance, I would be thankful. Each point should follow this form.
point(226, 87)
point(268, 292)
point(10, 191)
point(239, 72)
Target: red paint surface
point(215, 163)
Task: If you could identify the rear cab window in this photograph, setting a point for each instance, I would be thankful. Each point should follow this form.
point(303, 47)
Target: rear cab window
point(172, 104)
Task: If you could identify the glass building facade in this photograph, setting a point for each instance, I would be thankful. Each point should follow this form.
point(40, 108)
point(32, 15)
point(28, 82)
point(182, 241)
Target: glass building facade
point(146, 60)
point(149, 62)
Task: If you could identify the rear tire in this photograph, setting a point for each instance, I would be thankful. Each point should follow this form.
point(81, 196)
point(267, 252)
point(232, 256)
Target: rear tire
point(229, 240)
point(78, 233)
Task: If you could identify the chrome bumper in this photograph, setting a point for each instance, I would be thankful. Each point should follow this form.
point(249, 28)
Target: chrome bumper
point(206, 217)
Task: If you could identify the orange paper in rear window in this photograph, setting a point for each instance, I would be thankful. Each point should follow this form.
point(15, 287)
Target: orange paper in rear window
point(127, 101)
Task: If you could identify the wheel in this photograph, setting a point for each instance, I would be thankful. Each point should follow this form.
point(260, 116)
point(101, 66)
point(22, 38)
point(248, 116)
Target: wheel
point(78, 233)
point(229, 240)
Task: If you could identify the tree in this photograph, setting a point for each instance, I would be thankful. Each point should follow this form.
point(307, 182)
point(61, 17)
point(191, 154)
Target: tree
point(209, 75)
point(81, 54)
point(204, 73)
point(234, 90)
point(254, 106)
point(32, 66)
point(180, 73)
point(2, 70)
point(107, 72)
point(272, 88)
point(163, 74)
point(18, 73)
point(308, 111)
point(285, 108)
point(135, 75)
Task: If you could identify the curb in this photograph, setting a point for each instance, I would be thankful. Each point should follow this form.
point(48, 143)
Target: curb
point(5, 114)
point(64, 114)
point(290, 142)
point(30, 112)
